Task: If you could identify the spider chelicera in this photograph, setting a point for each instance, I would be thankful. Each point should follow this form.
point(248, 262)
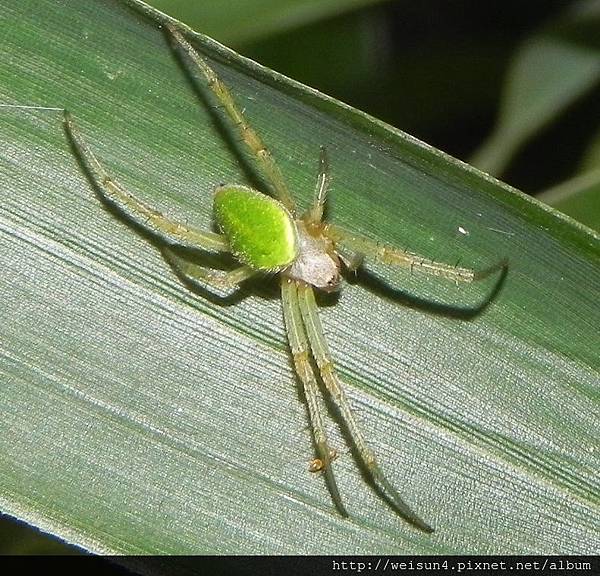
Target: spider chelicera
point(266, 235)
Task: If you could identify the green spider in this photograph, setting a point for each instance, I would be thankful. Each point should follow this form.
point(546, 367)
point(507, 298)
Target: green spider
point(267, 237)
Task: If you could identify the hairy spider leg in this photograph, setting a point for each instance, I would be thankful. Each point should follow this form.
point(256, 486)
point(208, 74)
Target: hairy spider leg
point(232, 115)
point(322, 356)
point(300, 353)
point(203, 276)
point(170, 231)
point(315, 214)
point(394, 256)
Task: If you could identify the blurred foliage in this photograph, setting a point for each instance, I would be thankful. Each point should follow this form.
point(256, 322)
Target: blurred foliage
point(444, 72)
point(552, 70)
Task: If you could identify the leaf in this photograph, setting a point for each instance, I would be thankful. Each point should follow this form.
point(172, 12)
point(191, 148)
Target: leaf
point(591, 159)
point(551, 71)
point(141, 417)
point(347, 44)
point(254, 19)
point(578, 197)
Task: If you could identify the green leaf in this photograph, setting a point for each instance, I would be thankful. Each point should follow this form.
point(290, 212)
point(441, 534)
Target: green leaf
point(552, 69)
point(139, 416)
point(253, 19)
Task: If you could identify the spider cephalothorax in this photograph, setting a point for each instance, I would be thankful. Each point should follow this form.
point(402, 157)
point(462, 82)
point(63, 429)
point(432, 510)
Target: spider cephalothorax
point(317, 263)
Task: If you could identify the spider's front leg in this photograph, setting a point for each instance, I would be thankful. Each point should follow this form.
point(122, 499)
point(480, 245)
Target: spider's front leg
point(300, 354)
point(315, 214)
point(320, 351)
point(394, 256)
point(202, 276)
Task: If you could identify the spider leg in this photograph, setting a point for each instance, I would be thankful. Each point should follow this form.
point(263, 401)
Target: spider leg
point(315, 214)
point(202, 276)
point(300, 354)
point(234, 117)
point(168, 230)
point(320, 350)
point(396, 257)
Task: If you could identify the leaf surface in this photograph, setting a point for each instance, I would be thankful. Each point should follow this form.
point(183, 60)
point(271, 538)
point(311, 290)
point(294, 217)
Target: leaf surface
point(139, 416)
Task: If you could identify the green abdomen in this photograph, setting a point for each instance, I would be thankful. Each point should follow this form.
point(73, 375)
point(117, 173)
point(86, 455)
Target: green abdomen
point(260, 231)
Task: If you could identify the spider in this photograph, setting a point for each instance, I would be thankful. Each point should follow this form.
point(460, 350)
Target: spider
point(267, 236)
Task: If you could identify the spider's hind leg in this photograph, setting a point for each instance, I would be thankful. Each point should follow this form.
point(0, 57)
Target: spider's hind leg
point(166, 229)
point(234, 119)
point(223, 282)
